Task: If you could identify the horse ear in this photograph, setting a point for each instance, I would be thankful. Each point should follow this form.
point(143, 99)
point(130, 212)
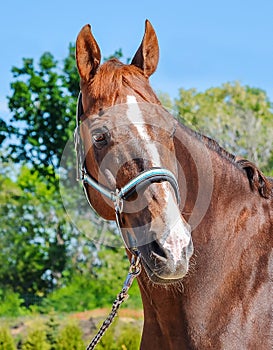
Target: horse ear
point(147, 55)
point(88, 54)
point(258, 181)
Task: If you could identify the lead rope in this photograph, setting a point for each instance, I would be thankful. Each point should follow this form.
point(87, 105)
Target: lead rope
point(134, 271)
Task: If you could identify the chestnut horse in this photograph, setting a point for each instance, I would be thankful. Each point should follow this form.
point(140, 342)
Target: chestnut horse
point(221, 296)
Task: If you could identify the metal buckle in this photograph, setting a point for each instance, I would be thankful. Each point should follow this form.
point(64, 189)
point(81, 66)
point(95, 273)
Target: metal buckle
point(118, 202)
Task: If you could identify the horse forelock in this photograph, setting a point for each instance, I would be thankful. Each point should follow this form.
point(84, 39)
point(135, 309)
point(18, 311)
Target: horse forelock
point(114, 81)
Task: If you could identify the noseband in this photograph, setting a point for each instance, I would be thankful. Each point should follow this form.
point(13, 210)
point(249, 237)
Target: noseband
point(117, 196)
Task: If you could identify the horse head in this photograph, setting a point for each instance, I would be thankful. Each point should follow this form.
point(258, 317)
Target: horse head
point(125, 133)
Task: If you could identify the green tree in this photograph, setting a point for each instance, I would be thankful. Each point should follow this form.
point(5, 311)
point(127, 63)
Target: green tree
point(3, 131)
point(33, 233)
point(43, 110)
point(239, 117)
point(43, 107)
point(110, 284)
point(96, 288)
point(44, 250)
point(119, 55)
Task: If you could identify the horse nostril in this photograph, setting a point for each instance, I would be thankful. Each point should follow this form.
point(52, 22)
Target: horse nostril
point(157, 251)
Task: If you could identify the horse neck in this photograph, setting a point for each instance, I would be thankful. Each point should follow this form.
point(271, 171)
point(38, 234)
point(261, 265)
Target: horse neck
point(164, 322)
point(228, 221)
point(209, 178)
point(232, 242)
point(219, 202)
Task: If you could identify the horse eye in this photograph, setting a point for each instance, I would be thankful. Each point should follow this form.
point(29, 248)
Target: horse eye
point(100, 137)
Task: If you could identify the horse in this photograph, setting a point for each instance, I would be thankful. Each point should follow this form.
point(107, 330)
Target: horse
point(201, 218)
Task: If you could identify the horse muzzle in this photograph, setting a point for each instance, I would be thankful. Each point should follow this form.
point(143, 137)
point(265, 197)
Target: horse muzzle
point(167, 260)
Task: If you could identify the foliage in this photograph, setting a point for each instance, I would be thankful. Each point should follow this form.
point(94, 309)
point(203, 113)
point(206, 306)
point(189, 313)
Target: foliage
point(32, 233)
point(36, 339)
point(239, 117)
point(11, 303)
point(39, 259)
point(43, 106)
point(119, 55)
point(78, 295)
point(166, 100)
point(45, 251)
point(6, 340)
point(108, 341)
point(52, 328)
point(43, 113)
point(86, 292)
point(120, 336)
point(69, 338)
point(45, 335)
point(111, 274)
point(3, 130)
point(129, 338)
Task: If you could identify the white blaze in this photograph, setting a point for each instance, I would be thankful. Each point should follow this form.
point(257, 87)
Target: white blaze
point(135, 116)
point(177, 232)
point(179, 236)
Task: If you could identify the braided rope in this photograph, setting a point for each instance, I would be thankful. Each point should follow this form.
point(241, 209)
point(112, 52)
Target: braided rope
point(119, 300)
point(134, 271)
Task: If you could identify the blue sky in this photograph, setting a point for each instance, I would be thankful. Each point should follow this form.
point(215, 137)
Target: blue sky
point(202, 43)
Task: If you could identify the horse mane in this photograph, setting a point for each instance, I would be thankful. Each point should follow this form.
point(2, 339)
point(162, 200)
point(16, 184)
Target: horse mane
point(257, 180)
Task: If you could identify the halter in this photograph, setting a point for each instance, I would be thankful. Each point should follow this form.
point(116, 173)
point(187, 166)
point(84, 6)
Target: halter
point(117, 196)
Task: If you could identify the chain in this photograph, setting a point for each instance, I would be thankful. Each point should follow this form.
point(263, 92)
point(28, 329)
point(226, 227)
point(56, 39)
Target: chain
point(134, 271)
